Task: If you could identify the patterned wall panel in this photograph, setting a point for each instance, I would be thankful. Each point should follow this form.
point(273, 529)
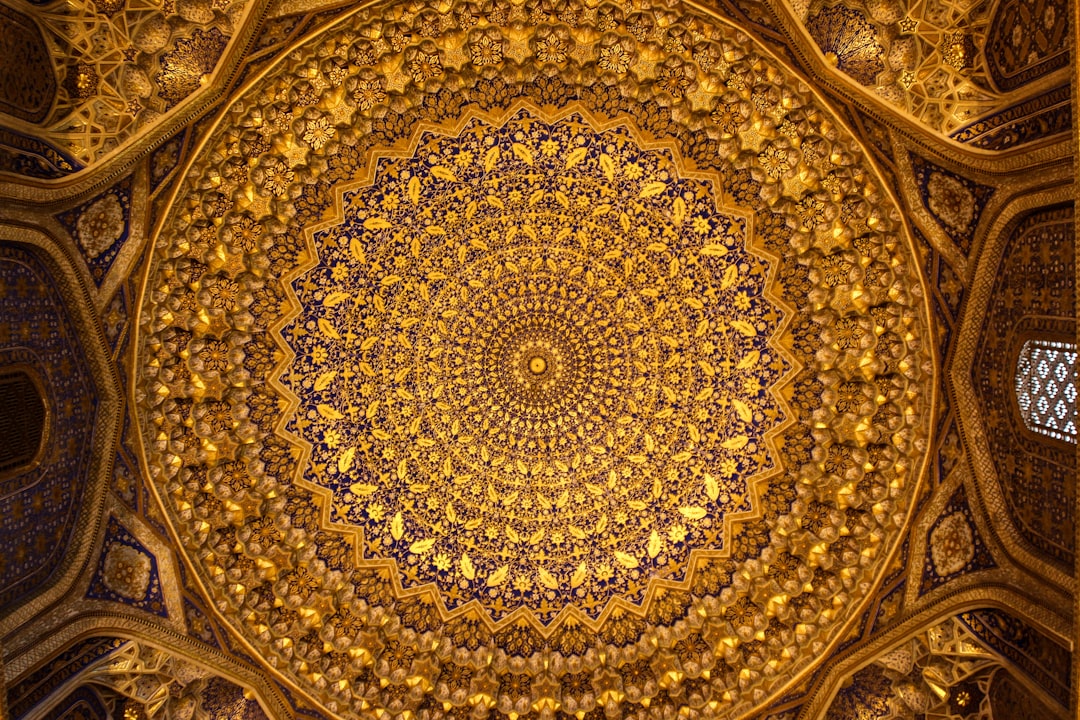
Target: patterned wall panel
point(101, 226)
point(222, 698)
point(83, 704)
point(955, 201)
point(1035, 283)
point(1009, 699)
point(847, 35)
point(112, 678)
point(923, 57)
point(1027, 40)
point(127, 572)
point(1038, 656)
point(25, 155)
point(39, 507)
point(28, 691)
point(954, 545)
point(119, 65)
point(1031, 119)
point(940, 673)
point(27, 82)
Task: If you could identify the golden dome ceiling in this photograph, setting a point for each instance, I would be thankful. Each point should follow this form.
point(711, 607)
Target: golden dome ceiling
point(534, 358)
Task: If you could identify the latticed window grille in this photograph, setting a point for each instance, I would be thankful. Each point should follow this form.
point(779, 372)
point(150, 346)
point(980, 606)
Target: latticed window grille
point(22, 420)
point(1046, 388)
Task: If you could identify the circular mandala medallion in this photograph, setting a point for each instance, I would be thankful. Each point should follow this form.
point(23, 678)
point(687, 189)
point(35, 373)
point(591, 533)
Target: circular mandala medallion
point(542, 361)
point(528, 358)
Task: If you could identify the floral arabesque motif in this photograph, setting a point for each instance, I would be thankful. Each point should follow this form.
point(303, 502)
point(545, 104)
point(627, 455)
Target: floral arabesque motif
point(501, 306)
point(952, 545)
point(822, 457)
point(100, 225)
point(950, 201)
point(127, 571)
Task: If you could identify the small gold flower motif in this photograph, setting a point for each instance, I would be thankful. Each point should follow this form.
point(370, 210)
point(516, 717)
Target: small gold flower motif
point(278, 177)
point(215, 355)
point(674, 81)
point(486, 51)
point(551, 49)
point(369, 93)
point(775, 161)
point(614, 59)
point(318, 132)
point(127, 571)
point(425, 66)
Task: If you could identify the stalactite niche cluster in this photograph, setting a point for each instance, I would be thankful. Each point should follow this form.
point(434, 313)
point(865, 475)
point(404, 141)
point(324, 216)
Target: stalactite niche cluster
point(524, 358)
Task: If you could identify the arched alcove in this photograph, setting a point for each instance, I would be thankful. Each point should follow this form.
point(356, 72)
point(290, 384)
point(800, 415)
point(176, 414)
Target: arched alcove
point(22, 420)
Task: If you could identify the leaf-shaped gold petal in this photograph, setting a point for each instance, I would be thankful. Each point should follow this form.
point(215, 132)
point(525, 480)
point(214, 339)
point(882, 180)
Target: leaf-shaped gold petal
point(749, 360)
point(422, 546)
point(743, 410)
point(608, 166)
point(744, 328)
point(712, 488)
point(327, 329)
point(499, 576)
point(655, 544)
point(730, 276)
point(444, 173)
point(579, 576)
point(376, 223)
point(328, 412)
point(522, 153)
point(356, 249)
point(335, 298)
point(467, 567)
point(345, 460)
point(678, 211)
point(651, 189)
point(575, 157)
point(491, 157)
point(548, 580)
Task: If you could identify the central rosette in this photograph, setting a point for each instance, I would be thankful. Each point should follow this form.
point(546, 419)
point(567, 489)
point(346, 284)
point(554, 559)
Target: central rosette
point(532, 363)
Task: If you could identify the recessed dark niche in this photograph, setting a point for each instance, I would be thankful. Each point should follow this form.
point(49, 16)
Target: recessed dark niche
point(22, 420)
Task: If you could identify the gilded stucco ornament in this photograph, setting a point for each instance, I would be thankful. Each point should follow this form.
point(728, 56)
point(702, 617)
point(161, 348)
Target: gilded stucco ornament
point(533, 365)
point(531, 358)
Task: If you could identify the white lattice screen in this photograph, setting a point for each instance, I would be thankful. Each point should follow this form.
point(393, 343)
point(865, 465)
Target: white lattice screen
point(1046, 388)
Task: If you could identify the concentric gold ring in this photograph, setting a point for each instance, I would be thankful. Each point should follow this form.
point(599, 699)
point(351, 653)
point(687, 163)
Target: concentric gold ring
point(380, 239)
